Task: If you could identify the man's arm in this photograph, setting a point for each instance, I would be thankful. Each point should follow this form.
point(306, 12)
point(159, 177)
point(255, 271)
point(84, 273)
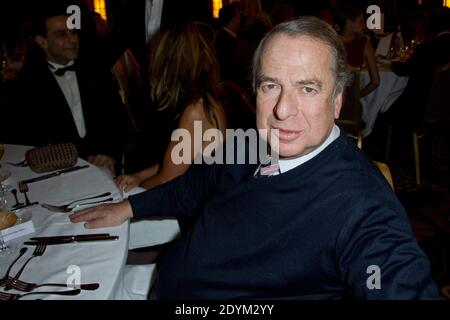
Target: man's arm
point(379, 258)
point(179, 197)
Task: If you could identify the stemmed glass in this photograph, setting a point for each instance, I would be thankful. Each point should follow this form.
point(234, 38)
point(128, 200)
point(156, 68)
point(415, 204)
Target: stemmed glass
point(5, 249)
point(4, 173)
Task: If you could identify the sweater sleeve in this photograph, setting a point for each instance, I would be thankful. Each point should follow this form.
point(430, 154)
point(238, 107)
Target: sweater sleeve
point(378, 256)
point(179, 197)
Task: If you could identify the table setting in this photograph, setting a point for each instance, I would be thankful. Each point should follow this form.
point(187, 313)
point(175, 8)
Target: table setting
point(67, 260)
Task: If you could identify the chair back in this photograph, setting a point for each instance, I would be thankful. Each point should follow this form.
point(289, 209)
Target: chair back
point(438, 107)
point(350, 115)
point(127, 75)
point(386, 172)
point(241, 112)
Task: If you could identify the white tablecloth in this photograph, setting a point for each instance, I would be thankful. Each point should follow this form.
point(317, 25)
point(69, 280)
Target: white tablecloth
point(152, 231)
point(100, 262)
point(379, 100)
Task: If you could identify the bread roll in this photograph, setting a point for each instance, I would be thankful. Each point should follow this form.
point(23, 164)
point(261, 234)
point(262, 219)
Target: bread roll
point(7, 219)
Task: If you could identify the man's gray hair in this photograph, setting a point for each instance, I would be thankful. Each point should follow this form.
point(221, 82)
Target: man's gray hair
point(316, 29)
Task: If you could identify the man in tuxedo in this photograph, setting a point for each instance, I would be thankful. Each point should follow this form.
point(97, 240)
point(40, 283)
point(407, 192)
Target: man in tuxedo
point(136, 21)
point(68, 100)
point(321, 223)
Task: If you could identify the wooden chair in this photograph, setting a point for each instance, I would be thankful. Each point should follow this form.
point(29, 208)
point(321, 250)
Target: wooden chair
point(437, 114)
point(126, 72)
point(350, 116)
point(386, 172)
point(435, 121)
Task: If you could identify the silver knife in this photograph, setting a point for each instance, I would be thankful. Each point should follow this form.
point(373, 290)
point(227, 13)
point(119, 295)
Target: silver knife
point(64, 241)
point(53, 174)
point(72, 236)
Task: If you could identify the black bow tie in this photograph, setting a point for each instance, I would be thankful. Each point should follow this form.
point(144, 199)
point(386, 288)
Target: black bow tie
point(62, 71)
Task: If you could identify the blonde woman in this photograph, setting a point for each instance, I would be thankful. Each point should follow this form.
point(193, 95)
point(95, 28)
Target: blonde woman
point(184, 80)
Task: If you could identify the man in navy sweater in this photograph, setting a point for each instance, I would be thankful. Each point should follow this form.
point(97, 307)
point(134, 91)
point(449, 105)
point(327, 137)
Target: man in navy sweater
point(327, 227)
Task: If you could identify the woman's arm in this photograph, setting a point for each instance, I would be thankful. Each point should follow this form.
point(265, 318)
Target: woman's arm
point(128, 182)
point(371, 61)
point(170, 169)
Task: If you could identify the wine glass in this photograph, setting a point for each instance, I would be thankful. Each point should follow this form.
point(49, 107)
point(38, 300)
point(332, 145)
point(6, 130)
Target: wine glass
point(5, 248)
point(4, 175)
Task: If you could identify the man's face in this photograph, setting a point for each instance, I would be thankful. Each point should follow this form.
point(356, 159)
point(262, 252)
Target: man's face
point(61, 44)
point(294, 94)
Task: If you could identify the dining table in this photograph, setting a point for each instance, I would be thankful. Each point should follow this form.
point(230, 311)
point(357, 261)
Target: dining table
point(99, 262)
point(381, 99)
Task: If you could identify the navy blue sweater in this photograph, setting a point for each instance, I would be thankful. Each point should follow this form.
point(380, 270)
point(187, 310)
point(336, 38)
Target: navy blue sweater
point(317, 231)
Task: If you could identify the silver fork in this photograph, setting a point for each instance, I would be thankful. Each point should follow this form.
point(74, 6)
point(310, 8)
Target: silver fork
point(23, 187)
point(38, 251)
point(18, 203)
point(65, 207)
point(15, 296)
point(6, 278)
point(68, 209)
point(27, 286)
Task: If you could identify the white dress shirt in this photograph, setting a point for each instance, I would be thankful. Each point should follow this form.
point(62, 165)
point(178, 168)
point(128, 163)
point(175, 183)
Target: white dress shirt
point(153, 13)
point(69, 86)
point(288, 164)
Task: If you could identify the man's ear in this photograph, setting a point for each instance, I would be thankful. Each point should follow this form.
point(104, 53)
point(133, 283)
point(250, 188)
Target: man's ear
point(337, 105)
point(41, 41)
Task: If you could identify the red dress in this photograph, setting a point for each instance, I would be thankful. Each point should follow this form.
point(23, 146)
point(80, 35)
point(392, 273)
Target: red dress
point(355, 52)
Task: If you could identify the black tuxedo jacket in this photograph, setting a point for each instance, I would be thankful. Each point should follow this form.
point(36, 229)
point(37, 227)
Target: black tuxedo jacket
point(128, 30)
point(45, 115)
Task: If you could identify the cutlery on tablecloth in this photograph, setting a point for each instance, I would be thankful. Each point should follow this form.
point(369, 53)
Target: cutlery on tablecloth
point(75, 239)
point(28, 286)
point(18, 203)
point(53, 174)
point(68, 209)
point(15, 296)
point(64, 207)
point(72, 237)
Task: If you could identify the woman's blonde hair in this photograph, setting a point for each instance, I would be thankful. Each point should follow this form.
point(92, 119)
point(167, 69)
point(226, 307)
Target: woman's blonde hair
point(183, 68)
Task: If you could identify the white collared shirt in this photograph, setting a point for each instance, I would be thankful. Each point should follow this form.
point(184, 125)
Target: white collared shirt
point(153, 13)
point(69, 86)
point(288, 164)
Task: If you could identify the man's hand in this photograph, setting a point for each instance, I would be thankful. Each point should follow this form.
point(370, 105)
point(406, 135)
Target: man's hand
point(105, 215)
point(102, 160)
